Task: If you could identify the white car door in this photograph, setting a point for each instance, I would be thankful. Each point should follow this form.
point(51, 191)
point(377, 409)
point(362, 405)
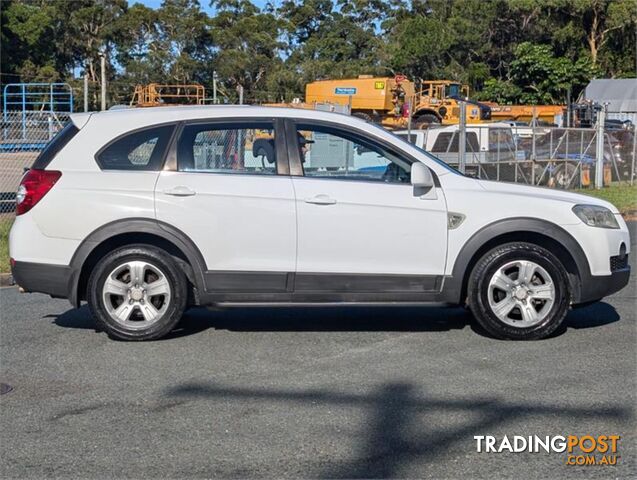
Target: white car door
point(361, 225)
point(228, 196)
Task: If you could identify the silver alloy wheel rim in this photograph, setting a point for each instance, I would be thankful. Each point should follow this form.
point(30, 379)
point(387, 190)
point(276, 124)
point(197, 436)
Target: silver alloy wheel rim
point(521, 293)
point(136, 294)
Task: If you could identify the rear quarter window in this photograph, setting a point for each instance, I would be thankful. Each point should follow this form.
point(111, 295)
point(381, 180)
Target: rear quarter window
point(138, 150)
point(52, 148)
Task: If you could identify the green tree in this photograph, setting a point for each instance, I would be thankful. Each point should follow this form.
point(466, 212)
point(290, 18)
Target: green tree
point(247, 47)
point(25, 43)
point(537, 76)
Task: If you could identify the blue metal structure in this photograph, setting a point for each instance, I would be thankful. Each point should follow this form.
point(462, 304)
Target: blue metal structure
point(30, 113)
point(51, 97)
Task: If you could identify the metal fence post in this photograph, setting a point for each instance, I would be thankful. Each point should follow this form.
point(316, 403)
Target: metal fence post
point(86, 92)
point(498, 159)
point(462, 139)
point(599, 150)
point(103, 80)
point(533, 156)
point(632, 162)
point(409, 120)
point(214, 87)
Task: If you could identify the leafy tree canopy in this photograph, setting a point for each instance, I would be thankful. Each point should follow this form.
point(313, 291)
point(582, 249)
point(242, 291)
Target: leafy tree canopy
point(525, 51)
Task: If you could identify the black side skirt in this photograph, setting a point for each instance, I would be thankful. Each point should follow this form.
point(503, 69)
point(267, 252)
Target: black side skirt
point(287, 287)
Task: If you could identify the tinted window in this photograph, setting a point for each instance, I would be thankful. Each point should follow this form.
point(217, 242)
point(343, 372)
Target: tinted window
point(141, 150)
point(448, 142)
point(228, 148)
point(329, 152)
point(52, 148)
point(428, 154)
point(500, 138)
point(409, 138)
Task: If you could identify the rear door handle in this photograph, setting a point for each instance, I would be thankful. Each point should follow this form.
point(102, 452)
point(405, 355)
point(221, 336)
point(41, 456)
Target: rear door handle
point(180, 191)
point(321, 199)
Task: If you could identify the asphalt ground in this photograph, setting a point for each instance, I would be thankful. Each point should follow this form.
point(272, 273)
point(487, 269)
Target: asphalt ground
point(310, 392)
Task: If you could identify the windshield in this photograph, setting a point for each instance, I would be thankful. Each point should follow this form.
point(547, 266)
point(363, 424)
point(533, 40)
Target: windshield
point(453, 90)
point(403, 137)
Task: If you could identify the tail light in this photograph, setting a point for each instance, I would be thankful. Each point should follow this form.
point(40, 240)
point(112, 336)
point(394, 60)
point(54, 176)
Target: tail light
point(34, 186)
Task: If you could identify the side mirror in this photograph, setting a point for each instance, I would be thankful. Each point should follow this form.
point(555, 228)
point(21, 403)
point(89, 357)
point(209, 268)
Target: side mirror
point(421, 176)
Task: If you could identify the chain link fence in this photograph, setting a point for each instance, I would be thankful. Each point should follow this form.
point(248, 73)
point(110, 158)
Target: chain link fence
point(547, 156)
point(22, 136)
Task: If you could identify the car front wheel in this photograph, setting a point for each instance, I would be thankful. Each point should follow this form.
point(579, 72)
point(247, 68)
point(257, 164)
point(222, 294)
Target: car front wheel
point(137, 293)
point(519, 291)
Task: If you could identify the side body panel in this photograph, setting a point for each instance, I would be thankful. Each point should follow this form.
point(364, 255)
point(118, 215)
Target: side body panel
point(372, 228)
point(239, 222)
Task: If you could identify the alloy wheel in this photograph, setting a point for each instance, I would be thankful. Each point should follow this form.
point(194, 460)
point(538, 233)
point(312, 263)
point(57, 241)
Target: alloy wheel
point(521, 293)
point(136, 294)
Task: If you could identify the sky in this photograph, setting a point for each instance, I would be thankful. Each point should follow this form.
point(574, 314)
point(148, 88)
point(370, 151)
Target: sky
point(205, 4)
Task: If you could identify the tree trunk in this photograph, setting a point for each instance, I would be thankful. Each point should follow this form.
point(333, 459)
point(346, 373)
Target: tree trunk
point(593, 40)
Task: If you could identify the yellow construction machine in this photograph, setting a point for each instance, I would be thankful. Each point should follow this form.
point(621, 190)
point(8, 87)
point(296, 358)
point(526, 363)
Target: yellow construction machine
point(543, 114)
point(387, 100)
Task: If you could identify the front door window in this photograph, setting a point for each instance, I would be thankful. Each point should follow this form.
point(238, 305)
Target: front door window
point(330, 153)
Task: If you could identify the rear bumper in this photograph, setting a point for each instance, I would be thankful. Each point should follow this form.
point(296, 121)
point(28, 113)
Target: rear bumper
point(53, 280)
point(595, 288)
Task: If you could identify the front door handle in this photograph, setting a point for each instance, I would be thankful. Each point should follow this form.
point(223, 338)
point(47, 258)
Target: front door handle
point(180, 191)
point(321, 199)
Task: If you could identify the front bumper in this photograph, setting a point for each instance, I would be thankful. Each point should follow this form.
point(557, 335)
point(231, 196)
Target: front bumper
point(46, 278)
point(595, 287)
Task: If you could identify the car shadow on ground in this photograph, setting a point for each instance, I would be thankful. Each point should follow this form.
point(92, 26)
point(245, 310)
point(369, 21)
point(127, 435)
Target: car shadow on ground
point(340, 319)
point(394, 432)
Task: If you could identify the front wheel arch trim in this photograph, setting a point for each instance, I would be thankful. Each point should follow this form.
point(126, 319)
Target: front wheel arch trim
point(455, 286)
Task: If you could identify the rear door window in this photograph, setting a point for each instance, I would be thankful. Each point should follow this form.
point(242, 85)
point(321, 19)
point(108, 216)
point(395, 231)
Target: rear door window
point(236, 147)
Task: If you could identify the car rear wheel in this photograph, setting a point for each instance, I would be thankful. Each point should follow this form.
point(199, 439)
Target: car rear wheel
point(137, 293)
point(519, 291)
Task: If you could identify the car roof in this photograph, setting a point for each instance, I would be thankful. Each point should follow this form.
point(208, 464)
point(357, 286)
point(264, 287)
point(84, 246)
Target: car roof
point(106, 125)
point(156, 115)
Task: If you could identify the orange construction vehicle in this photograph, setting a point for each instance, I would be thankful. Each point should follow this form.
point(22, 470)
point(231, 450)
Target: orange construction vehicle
point(386, 100)
point(546, 114)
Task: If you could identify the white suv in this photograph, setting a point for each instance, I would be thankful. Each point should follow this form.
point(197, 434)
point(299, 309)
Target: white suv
point(146, 212)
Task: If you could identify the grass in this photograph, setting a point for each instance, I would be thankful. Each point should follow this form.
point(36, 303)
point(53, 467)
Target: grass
point(5, 226)
point(623, 197)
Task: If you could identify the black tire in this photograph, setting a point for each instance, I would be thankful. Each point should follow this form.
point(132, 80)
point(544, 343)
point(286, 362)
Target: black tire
point(564, 175)
point(363, 116)
point(171, 313)
point(498, 257)
point(425, 121)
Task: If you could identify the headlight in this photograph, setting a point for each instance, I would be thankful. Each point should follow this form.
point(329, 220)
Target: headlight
point(595, 216)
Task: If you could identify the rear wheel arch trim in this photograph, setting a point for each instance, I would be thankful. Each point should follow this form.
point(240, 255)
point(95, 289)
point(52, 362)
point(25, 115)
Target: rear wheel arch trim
point(455, 284)
point(130, 226)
